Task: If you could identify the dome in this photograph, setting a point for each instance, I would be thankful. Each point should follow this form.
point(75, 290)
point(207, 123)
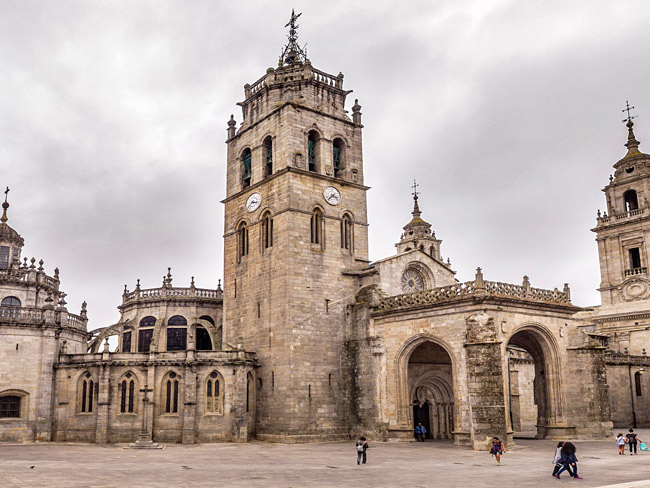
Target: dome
point(9, 236)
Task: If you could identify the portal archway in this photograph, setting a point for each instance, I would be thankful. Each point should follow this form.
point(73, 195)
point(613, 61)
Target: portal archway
point(430, 387)
point(534, 391)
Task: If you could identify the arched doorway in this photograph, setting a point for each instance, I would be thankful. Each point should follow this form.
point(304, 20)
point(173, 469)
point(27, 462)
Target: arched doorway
point(431, 391)
point(533, 388)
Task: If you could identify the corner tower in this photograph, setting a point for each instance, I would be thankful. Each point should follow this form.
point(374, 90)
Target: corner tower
point(295, 231)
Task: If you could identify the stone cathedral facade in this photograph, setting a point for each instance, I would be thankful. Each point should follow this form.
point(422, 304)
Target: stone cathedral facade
point(310, 340)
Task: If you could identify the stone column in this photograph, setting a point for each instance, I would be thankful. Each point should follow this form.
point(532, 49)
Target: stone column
point(103, 404)
point(188, 435)
point(485, 382)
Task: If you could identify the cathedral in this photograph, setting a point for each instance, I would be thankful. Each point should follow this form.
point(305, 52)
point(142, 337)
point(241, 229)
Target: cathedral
point(309, 340)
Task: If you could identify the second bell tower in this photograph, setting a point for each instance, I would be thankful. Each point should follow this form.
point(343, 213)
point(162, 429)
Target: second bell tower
point(295, 234)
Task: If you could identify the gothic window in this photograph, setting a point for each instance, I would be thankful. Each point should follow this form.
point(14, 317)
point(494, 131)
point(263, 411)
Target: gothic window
point(246, 158)
point(87, 393)
point(268, 153)
point(346, 232)
point(126, 341)
point(631, 202)
point(10, 406)
point(242, 240)
point(312, 150)
point(203, 341)
point(170, 391)
point(317, 227)
point(267, 230)
point(4, 257)
point(635, 257)
point(412, 281)
point(127, 394)
point(144, 340)
point(338, 153)
point(176, 338)
point(637, 383)
point(214, 393)
point(10, 302)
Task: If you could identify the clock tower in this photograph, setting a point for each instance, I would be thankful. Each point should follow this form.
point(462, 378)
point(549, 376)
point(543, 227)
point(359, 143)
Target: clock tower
point(295, 239)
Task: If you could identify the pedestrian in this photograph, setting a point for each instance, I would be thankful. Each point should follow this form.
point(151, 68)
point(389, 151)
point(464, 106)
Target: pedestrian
point(632, 440)
point(569, 461)
point(420, 430)
point(497, 448)
point(620, 442)
point(361, 447)
point(557, 458)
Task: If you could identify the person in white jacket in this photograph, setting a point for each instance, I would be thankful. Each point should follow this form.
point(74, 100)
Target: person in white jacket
point(556, 459)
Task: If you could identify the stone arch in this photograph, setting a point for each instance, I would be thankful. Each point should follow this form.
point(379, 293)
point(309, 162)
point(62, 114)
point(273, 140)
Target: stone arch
point(401, 365)
point(424, 271)
point(111, 330)
point(212, 329)
point(538, 341)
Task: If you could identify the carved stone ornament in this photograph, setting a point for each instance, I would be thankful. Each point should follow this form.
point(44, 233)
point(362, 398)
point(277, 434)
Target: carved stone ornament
point(635, 289)
point(298, 161)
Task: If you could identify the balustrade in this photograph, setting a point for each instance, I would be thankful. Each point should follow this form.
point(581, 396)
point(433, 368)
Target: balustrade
point(155, 293)
point(636, 271)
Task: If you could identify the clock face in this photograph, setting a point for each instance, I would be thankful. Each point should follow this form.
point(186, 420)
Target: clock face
point(412, 281)
point(253, 202)
point(332, 195)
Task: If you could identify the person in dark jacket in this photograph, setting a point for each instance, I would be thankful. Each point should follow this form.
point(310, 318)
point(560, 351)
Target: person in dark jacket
point(361, 447)
point(569, 461)
point(557, 458)
point(632, 440)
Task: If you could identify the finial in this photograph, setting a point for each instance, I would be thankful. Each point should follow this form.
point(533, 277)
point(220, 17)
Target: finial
point(126, 290)
point(416, 209)
point(5, 206)
point(137, 284)
point(192, 282)
point(40, 265)
point(25, 262)
point(356, 112)
point(33, 266)
point(62, 301)
point(632, 144)
point(56, 274)
point(219, 285)
point(232, 122)
point(292, 52)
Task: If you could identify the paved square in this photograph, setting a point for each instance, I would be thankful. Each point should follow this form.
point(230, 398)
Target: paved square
point(324, 465)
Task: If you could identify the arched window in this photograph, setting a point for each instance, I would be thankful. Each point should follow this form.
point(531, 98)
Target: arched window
point(10, 302)
point(126, 341)
point(86, 394)
point(177, 320)
point(10, 406)
point(203, 341)
point(249, 392)
point(246, 161)
point(268, 153)
point(346, 232)
point(637, 383)
point(431, 251)
point(207, 318)
point(312, 151)
point(338, 155)
point(145, 333)
point(171, 392)
point(242, 240)
point(177, 333)
point(631, 201)
point(127, 393)
point(317, 227)
point(267, 230)
point(214, 393)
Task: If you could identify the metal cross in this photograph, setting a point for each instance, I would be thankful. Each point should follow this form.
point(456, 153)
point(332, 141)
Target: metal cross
point(415, 189)
point(292, 25)
point(627, 109)
point(6, 193)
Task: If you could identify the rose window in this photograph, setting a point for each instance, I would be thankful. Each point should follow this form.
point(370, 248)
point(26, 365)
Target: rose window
point(412, 281)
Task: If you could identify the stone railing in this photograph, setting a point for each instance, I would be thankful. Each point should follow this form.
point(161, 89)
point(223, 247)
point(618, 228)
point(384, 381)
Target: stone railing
point(76, 321)
point(21, 314)
point(605, 219)
point(30, 276)
point(321, 76)
point(163, 292)
point(478, 287)
point(636, 271)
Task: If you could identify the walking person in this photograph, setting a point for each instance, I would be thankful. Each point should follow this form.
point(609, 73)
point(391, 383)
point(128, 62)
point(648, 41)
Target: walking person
point(420, 431)
point(632, 441)
point(569, 461)
point(361, 447)
point(557, 458)
point(497, 449)
point(620, 442)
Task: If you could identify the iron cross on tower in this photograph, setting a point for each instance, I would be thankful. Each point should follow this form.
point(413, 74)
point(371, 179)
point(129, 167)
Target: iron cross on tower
point(6, 194)
point(292, 52)
point(627, 109)
point(415, 190)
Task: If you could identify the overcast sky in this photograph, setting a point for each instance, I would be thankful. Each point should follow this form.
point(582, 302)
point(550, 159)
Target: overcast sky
point(113, 120)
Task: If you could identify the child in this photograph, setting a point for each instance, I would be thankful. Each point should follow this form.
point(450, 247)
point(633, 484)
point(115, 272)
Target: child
point(361, 447)
point(557, 458)
point(568, 461)
point(620, 442)
point(497, 448)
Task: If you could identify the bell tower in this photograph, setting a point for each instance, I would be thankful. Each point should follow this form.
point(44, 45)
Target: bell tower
point(623, 231)
point(295, 237)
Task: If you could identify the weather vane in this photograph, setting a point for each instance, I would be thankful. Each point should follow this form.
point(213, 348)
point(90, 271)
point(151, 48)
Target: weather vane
point(6, 194)
point(415, 189)
point(627, 109)
point(292, 51)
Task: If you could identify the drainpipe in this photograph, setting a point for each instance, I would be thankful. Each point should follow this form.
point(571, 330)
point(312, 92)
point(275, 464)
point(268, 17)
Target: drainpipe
point(629, 369)
point(510, 392)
